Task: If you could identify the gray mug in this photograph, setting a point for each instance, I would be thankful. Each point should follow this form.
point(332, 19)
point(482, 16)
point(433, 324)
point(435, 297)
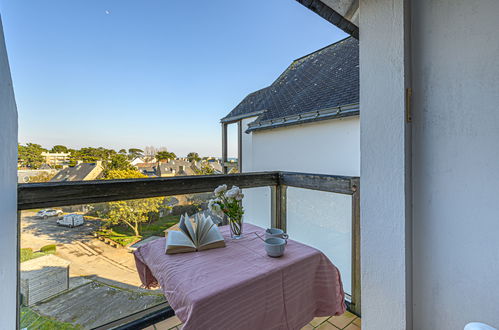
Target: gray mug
point(275, 246)
point(276, 232)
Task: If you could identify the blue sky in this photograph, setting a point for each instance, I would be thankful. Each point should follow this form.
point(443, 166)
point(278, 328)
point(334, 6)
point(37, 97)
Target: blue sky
point(123, 73)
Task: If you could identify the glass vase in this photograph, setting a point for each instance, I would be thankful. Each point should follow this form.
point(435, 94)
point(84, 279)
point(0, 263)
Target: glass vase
point(236, 228)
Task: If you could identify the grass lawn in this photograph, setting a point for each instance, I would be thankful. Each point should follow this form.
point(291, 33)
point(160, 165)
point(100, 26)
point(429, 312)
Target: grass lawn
point(32, 320)
point(28, 254)
point(124, 235)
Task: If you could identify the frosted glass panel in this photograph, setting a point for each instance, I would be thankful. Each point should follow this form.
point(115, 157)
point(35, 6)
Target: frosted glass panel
point(323, 220)
point(256, 205)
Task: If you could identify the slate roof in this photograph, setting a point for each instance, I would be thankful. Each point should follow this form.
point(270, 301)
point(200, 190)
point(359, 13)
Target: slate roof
point(324, 80)
point(76, 173)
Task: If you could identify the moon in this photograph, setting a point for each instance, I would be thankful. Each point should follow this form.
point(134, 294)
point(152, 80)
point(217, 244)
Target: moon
point(108, 12)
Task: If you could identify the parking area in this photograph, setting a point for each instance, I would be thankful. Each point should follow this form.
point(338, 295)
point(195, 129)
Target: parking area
point(88, 255)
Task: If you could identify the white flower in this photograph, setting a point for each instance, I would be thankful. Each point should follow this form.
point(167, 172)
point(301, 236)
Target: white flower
point(220, 189)
point(235, 191)
point(239, 197)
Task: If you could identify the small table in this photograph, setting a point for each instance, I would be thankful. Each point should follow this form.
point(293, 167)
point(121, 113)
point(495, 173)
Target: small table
point(240, 287)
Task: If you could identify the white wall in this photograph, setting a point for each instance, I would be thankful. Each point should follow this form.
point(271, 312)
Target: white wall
point(385, 202)
point(8, 193)
point(456, 163)
point(320, 219)
point(326, 147)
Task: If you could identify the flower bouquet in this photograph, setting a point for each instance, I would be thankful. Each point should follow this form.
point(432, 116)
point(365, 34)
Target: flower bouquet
point(228, 203)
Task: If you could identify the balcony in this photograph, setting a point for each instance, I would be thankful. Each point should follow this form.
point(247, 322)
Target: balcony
point(148, 308)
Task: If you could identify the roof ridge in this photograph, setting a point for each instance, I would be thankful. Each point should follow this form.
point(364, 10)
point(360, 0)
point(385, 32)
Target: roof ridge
point(321, 49)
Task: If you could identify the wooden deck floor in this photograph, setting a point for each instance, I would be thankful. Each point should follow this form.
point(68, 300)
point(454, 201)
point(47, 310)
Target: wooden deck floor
point(347, 321)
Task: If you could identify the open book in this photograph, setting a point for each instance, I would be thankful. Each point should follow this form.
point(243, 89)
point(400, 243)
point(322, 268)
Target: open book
point(198, 234)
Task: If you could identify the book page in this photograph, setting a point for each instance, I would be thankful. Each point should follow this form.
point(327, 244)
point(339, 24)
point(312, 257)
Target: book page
point(190, 229)
point(204, 224)
point(177, 240)
point(182, 226)
point(211, 236)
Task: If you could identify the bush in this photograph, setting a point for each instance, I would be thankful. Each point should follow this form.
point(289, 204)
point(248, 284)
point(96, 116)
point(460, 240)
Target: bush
point(48, 248)
point(190, 209)
point(26, 254)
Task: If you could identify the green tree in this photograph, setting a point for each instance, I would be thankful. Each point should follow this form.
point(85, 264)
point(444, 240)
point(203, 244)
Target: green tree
point(90, 155)
point(135, 152)
point(132, 212)
point(117, 162)
point(164, 155)
point(193, 157)
point(41, 177)
point(59, 148)
point(206, 169)
point(30, 155)
point(122, 152)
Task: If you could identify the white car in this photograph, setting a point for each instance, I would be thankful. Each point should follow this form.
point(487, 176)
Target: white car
point(48, 213)
point(71, 220)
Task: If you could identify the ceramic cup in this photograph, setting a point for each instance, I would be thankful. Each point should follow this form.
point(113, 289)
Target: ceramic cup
point(275, 246)
point(276, 232)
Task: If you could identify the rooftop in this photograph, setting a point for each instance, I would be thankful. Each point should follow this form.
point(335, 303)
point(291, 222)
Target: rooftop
point(318, 84)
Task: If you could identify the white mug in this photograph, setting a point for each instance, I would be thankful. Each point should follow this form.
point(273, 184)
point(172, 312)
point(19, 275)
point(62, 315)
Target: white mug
point(275, 246)
point(276, 232)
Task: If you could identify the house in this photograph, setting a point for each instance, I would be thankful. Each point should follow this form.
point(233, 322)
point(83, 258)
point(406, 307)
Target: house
point(175, 167)
point(169, 168)
point(285, 127)
point(136, 161)
point(80, 172)
point(56, 158)
point(315, 99)
point(148, 169)
point(429, 91)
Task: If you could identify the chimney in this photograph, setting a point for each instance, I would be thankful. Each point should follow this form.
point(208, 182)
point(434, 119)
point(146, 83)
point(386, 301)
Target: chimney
point(181, 168)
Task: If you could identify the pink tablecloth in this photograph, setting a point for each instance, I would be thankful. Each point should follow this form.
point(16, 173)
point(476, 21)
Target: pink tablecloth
point(240, 287)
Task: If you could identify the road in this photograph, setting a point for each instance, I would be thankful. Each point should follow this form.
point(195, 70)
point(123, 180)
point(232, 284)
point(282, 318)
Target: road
point(88, 256)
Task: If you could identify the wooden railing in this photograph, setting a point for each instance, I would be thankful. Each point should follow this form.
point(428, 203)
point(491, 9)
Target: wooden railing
point(52, 194)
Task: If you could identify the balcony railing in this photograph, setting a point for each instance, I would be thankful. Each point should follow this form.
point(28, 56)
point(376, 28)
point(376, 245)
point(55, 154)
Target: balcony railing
point(52, 194)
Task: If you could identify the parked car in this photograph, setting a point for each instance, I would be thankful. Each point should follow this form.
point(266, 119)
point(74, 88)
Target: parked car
point(48, 213)
point(71, 220)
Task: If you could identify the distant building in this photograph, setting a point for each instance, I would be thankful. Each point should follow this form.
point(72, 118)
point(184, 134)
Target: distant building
point(176, 167)
point(169, 168)
point(142, 160)
point(26, 176)
point(56, 158)
point(148, 169)
point(80, 172)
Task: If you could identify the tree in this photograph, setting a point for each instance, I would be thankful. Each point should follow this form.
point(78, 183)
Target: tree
point(41, 177)
point(164, 155)
point(193, 157)
point(117, 162)
point(122, 152)
point(30, 155)
point(134, 153)
point(206, 169)
point(133, 212)
point(59, 148)
point(90, 155)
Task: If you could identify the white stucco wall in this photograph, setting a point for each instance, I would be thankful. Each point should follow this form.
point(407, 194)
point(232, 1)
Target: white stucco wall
point(8, 193)
point(320, 219)
point(456, 163)
point(385, 181)
point(327, 147)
